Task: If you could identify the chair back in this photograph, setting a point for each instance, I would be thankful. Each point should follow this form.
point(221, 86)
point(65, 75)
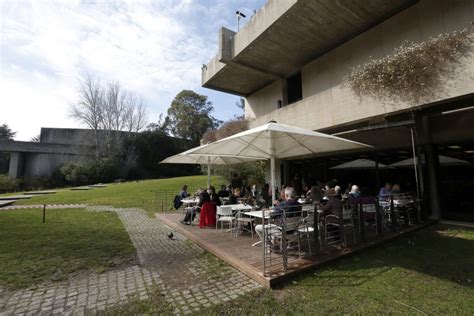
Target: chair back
point(347, 213)
point(224, 210)
point(309, 220)
point(292, 223)
point(369, 208)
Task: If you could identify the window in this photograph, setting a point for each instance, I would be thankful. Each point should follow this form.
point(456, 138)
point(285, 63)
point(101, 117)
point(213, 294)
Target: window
point(294, 88)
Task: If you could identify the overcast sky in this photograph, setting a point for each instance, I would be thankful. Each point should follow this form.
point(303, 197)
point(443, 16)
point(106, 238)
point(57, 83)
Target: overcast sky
point(154, 48)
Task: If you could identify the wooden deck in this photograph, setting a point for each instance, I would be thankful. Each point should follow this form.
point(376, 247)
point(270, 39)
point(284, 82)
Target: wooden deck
point(239, 252)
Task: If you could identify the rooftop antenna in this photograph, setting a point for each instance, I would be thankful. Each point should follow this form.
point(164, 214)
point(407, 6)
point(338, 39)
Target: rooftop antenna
point(240, 15)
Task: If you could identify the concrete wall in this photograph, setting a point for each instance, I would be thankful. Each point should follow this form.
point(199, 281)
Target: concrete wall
point(67, 136)
point(327, 103)
point(264, 101)
point(43, 165)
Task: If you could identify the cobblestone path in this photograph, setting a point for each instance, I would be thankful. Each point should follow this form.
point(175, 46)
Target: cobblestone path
point(182, 271)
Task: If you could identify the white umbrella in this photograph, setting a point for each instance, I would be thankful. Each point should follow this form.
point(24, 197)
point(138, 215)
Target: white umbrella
point(277, 141)
point(443, 160)
point(359, 164)
point(189, 157)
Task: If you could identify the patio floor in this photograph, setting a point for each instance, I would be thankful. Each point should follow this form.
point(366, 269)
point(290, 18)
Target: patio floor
point(239, 252)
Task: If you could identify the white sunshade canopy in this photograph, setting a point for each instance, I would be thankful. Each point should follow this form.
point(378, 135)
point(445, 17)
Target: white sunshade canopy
point(274, 140)
point(359, 164)
point(443, 160)
point(277, 141)
point(189, 157)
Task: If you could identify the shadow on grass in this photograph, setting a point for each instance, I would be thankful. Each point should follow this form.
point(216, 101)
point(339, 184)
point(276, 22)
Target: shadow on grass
point(438, 251)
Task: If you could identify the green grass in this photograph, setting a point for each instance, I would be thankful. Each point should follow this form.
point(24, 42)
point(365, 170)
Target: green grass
point(70, 242)
point(129, 194)
point(429, 272)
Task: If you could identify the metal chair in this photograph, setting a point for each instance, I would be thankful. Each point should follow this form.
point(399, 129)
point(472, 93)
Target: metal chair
point(241, 218)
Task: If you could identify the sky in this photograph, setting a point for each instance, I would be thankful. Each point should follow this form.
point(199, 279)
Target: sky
point(154, 48)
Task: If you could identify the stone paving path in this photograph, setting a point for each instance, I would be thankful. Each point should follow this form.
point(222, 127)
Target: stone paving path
point(182, 271)
point(48, 206)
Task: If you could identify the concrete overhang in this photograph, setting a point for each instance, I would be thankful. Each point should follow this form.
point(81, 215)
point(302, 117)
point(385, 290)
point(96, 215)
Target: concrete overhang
point(287, 34)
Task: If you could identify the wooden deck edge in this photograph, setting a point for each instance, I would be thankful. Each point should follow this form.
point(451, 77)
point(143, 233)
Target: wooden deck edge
point(240, 265)
point(346, 253)
point(272, 282)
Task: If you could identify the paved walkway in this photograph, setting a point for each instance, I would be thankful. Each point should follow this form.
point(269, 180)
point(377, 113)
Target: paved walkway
point(189, 278)
point(48, 206)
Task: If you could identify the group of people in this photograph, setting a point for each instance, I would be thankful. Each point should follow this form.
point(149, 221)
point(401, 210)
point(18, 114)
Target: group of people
point(207, 198)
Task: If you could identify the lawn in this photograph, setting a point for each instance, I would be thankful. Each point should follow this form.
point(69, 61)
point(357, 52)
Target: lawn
point(70, 242)
point(428, 272)
point(129, 194)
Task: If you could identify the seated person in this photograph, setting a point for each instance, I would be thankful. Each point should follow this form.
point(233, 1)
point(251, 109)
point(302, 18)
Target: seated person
point(354, 193)
point(332, 207)
point(223, 192)
point(290, 206)
point(234, 196)
point(189, 217)
point(396, 189)
point(386, 190)
point(181, 195)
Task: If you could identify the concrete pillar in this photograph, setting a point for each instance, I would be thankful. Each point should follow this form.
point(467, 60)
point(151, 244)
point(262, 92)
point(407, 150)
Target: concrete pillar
point(16, 165)
point(430, 182)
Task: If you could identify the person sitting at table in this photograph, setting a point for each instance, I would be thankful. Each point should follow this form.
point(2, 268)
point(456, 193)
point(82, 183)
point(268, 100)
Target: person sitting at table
point(191, 212)
point(386, 190)
point(181, 195)
point(289, 206)
point(234, 196)
point(213, 196)
point(332, 207)
point(354, 193)
point(223, 192)
point(396, 189)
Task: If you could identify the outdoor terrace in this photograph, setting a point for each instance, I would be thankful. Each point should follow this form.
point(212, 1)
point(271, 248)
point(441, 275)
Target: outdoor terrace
point(271, 267)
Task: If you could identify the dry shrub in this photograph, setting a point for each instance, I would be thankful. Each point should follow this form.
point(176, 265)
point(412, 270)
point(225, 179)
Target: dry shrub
point(414, 72)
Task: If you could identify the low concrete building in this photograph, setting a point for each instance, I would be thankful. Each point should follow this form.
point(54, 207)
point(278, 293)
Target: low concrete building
point(289, 63)
point(56, 147)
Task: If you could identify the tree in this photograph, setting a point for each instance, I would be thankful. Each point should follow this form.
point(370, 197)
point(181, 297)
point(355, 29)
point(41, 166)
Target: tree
point(190, 116)
point(5, 134)
point(36, 138)
point(108, 110)
point(89, 108)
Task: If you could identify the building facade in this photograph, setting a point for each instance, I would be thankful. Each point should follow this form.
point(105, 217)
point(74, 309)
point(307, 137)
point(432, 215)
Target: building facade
point(289, 63)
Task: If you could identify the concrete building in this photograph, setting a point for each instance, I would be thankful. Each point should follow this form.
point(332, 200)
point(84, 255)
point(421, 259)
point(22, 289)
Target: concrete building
point(289, 62)
point(56, 147)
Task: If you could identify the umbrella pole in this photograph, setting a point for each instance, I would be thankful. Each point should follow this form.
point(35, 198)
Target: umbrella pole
point(272, 166)
point(208, 175)
point(272, 171)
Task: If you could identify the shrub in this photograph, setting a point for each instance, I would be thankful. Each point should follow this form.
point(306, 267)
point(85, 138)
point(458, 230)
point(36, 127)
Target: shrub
point(8, 184)
point(90, 172)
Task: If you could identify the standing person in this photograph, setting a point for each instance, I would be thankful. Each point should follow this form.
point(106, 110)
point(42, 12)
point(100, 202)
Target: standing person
point(214, 197)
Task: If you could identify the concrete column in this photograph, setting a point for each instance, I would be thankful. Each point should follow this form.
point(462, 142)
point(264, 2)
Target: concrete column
point(430, 182)
point(16, 165)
